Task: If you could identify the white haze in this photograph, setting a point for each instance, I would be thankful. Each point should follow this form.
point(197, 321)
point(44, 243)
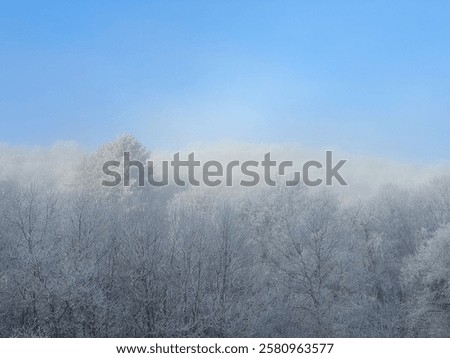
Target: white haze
point(58, 165)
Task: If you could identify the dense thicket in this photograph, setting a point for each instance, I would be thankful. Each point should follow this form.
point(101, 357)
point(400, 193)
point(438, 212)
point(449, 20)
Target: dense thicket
point(166, 262)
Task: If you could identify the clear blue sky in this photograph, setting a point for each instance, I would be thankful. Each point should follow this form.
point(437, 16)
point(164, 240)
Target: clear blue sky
point(369, 77)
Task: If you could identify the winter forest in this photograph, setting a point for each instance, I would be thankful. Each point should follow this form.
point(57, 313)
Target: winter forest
point(82, 260)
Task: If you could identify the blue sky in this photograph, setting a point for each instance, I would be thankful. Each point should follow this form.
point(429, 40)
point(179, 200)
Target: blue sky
point(369, 77)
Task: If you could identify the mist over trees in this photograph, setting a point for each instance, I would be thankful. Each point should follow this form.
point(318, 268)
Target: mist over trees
point(83, 260)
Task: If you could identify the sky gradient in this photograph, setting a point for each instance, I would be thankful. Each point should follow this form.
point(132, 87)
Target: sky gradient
point(366, 77)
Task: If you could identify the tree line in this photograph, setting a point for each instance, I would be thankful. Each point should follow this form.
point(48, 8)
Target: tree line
point(221, 262)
